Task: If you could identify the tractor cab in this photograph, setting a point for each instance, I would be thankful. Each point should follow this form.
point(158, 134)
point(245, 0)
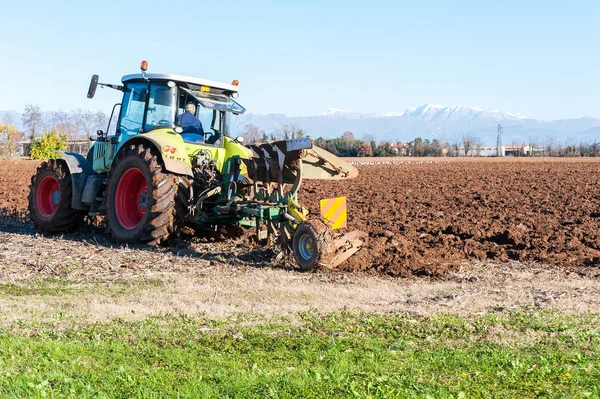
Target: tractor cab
point(158, 101)
point(179, 109)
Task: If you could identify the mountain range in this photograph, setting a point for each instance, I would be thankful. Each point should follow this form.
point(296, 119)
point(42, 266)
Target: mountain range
point(429, 121)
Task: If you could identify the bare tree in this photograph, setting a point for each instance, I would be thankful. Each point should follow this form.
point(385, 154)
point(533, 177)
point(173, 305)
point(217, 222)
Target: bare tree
point(549, 143)
point(252, 133)
point(101, 121)
point(367, 138)
point(467, 143)
point(61, 122)
point(455, 146)
point(478, 144)
point(533, 146)
point(32, 119)
point(285, 132)
point(296, 132)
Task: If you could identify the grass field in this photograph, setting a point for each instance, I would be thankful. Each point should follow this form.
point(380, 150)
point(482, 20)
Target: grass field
point(502, 355)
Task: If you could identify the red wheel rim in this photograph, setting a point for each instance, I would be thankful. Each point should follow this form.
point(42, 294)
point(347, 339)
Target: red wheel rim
point(131, 198)
point(48, 196)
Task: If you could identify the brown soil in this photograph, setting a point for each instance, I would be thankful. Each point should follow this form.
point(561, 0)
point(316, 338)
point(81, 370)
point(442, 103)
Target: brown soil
point(424, 219)
point(15, 178)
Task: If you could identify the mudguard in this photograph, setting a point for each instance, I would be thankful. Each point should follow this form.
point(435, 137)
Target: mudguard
point(176, 161)
point(80, 168)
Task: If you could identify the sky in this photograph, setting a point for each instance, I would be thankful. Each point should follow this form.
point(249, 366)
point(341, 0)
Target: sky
point(538, 58)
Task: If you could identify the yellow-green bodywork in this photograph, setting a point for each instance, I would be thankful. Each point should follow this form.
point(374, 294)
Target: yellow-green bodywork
point(176, 154)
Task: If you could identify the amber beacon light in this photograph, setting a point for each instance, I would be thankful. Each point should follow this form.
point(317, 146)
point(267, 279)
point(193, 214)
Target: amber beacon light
point(144, 66)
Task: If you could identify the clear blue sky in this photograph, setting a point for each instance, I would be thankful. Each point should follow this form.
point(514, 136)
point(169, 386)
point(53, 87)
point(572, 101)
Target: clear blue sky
point(539, 58)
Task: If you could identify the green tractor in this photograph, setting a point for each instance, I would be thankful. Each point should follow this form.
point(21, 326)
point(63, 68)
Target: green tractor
point(167, 161)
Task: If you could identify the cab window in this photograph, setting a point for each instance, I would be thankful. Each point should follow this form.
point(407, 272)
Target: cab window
point(161, 106)
point(160, 100)
point(133, 106)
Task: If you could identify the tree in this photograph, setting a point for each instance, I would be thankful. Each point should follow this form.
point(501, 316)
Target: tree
point(286, 132)
point(384, 150)
point(367, 138)
point(61, 122)
point(417, 146)
point(478, 144)
point(9, 136)
point(455, 143)
point(348, 136)
point(252, 133)
point(549, 143)
point(297, 133)
point(467, 143)
point(32, 118)
point(101, 122)
point(365, 150)
point(44, 148)
point(84, 122)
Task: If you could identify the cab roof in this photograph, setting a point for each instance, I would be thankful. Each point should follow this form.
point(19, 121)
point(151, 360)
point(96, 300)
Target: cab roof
point(181, 79)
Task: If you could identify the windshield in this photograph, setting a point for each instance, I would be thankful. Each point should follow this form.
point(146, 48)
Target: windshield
point(161, 106)
point(160, 100)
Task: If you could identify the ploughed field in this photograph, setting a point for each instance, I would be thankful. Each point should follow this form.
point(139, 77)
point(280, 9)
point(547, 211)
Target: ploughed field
point(428, 218)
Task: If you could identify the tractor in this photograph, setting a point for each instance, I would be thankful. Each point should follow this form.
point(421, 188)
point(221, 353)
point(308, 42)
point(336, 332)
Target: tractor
point(151, 175)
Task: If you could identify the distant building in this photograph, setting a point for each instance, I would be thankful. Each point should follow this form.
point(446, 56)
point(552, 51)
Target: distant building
point(506, 151)
point(400, 148)
point(521, 150)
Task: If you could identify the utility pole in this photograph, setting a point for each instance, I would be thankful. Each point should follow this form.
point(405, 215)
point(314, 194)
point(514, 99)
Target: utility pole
point(499, 142)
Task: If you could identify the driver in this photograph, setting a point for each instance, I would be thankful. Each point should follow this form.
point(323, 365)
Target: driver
point(192, 127)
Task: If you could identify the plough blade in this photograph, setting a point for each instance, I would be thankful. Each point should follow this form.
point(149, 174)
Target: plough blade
point(346, 246)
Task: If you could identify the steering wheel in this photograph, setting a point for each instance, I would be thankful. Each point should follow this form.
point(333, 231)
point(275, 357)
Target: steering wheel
point(164, 122)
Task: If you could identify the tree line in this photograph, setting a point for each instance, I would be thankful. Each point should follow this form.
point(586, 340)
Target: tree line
point(460, 145)
point(51, 127)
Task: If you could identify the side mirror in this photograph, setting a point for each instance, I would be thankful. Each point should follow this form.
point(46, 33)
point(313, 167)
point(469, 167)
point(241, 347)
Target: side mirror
point(93, 86)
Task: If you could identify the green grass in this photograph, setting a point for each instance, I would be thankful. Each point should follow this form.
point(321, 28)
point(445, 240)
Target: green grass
point(508, 355)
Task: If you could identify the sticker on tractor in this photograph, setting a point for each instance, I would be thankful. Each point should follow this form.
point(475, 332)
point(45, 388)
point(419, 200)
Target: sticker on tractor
point(204, 91)
point(334, 212)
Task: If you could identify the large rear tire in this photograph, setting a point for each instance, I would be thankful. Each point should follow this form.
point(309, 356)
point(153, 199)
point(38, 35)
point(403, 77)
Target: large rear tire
point(142, 198)
point(50, 196)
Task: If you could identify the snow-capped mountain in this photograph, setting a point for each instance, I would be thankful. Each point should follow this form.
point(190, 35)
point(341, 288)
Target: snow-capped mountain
point(431, 121)
point(432, 113)
point(435, 112)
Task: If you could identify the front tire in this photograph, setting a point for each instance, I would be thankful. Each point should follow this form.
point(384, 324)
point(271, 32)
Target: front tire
point(141, 198)
point(50, 196)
